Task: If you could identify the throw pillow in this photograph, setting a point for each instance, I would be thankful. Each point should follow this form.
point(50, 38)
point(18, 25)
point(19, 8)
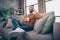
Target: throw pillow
point(48, 25)
point(48, 14)
point(40, 24)
point(9, 24)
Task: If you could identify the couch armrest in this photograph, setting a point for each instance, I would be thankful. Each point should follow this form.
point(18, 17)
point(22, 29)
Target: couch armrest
point(56, 31)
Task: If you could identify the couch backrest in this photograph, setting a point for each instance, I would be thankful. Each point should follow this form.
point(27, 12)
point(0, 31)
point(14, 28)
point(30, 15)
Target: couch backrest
point(47, 14)
point(20, 18)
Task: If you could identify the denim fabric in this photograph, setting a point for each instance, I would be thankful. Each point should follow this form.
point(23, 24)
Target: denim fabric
point(15, 23)
point(23, 26)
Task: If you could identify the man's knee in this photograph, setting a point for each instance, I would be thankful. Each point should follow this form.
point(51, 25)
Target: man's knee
point(13, 19)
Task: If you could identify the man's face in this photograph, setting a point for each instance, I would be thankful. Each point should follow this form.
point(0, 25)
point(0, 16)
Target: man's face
point(31, 9)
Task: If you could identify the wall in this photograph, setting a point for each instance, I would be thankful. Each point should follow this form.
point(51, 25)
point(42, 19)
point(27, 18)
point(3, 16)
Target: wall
point(8, 4)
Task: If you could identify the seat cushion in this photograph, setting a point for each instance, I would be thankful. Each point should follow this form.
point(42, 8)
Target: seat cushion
point(33, 36)
point(48, 27)
point(40, 24)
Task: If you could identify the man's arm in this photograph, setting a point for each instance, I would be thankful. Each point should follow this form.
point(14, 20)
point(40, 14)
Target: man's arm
point(38, 16)
point(23, 19)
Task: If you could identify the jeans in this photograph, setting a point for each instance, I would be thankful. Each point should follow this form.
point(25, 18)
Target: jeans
point(23, 26)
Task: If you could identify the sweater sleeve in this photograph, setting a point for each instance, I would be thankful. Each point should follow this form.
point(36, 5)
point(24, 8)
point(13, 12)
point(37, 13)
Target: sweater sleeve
point(38, 16)
point(24, 19)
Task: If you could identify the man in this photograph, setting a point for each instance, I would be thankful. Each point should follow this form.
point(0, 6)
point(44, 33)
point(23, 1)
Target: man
point(28, 21)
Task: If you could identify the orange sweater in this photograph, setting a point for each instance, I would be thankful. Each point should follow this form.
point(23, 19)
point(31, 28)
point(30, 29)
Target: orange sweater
point(38, 15)
point(32, 18)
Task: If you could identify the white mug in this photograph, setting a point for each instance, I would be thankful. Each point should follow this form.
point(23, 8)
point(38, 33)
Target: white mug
point(27, 19)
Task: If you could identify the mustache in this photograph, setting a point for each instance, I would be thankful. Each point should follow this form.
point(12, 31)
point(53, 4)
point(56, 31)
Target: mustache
point(31, 11)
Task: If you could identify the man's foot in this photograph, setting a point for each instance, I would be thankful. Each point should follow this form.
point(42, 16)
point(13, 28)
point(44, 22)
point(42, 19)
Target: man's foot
point(18, 29)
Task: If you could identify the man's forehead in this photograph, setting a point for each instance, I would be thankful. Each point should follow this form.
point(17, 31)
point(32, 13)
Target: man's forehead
point(31, 7)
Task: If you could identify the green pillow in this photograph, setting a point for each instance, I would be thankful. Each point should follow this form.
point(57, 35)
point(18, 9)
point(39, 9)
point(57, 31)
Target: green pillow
point(48, 27)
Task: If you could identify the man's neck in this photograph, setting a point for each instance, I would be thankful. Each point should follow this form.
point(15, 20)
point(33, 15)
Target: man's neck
point(29, 13)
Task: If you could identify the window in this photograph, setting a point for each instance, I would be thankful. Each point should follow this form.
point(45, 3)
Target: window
point(53, 6)
point(31, 2)
point(49, 6)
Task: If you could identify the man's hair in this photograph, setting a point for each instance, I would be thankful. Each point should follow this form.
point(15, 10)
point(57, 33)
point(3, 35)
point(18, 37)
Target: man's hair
point(31, 5)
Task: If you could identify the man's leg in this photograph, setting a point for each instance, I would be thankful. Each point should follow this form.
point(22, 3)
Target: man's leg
point(23, 26)
point(15, 23)
point(26, 28)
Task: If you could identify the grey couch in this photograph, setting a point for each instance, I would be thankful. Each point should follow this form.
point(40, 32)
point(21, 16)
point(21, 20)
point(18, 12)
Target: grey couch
point(32, 35)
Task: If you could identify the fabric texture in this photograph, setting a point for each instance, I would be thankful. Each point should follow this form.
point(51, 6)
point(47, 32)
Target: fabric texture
point(23, 26)
point(34, 36)
point(48, 14)
point(40, 24)
point(14, 23)
point(32, 17)
point(38, 15)
point(48, 27)
point(30, 21)
point(9, 24)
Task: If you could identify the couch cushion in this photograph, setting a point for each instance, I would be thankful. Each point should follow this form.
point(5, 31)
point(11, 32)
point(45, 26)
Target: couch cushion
point(48, 27)
point(40, 24)
point(6, 33)
point(48, 14)
point(33, 36)
point(9, 24)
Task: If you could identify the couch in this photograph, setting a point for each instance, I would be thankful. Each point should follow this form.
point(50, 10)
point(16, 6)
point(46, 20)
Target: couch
point(32, 35)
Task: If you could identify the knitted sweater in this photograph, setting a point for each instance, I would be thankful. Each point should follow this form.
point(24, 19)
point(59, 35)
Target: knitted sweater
point(30, 18)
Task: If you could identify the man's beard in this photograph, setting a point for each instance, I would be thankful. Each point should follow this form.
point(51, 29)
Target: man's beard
point(31, 11)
